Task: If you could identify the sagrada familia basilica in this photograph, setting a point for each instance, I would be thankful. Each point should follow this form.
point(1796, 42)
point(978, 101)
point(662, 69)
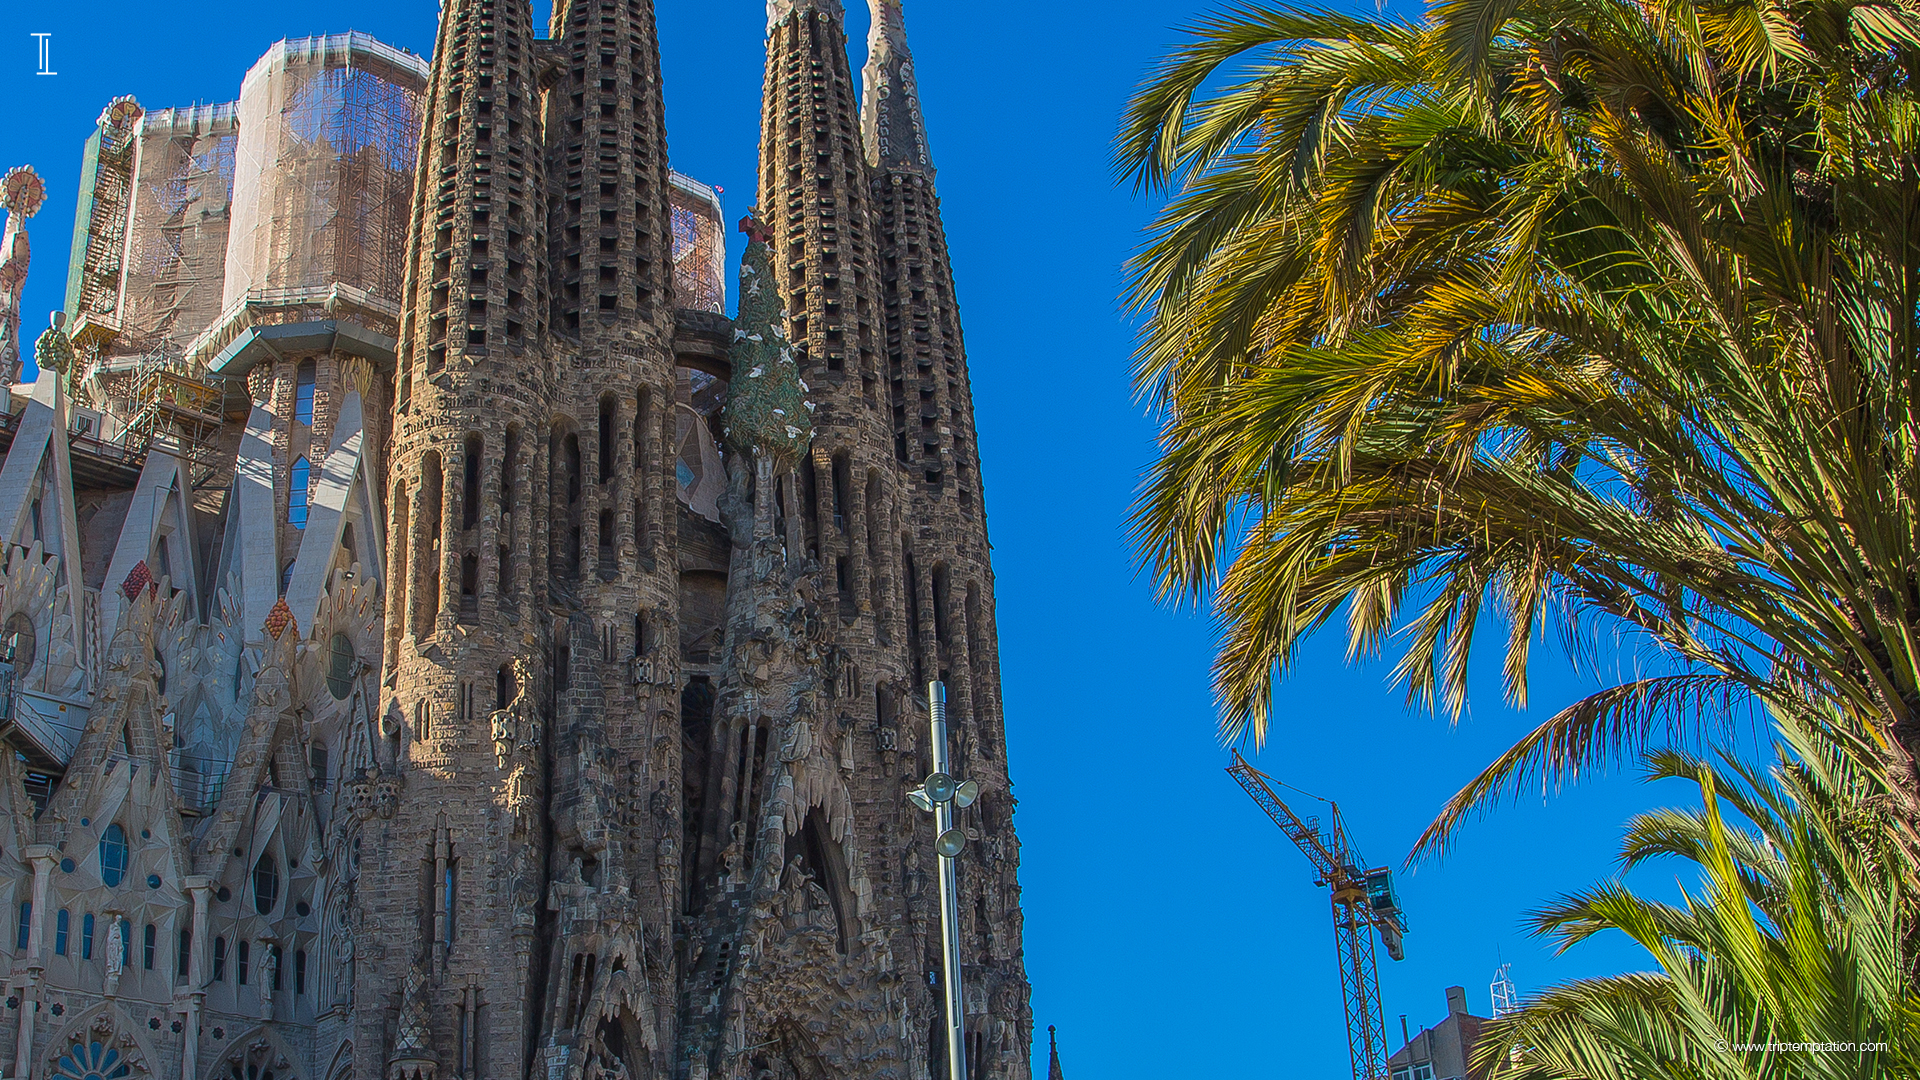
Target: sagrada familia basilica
point(439, 642)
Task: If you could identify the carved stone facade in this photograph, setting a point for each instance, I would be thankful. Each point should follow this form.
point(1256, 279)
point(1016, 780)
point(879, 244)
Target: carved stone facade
point(465, 656)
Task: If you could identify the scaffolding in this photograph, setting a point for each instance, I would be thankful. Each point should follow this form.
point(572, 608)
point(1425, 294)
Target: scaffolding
point(173, 405)
point(100, 228)
point(177, 241)
point(699, 246)
point(329, 131)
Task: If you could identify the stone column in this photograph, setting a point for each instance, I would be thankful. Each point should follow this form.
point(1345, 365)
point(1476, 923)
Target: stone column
point(623, 485)
point(417, 556)
point(441, 854)
point(537, 534)
point(923, 633)
point(857, 541)
point(487, 526)
point(452, 543)
point(824, 528)
point(200, 887)
point(43, 857)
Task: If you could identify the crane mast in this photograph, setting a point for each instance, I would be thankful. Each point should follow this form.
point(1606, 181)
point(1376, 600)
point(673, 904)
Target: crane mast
point(1363, 905)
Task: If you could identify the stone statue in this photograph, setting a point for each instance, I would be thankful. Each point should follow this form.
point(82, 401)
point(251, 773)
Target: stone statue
point(734, 857)
point(1003, 1033)
point(116, 947)
point(517, 727)
point(343, 962)
point(269, 972)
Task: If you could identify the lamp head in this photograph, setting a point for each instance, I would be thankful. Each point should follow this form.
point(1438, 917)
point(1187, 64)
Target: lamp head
point(940, 787)
point(950, 843)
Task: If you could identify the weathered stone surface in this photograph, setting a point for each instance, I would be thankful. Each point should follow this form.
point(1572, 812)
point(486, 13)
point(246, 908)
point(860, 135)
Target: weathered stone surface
point(537, 699)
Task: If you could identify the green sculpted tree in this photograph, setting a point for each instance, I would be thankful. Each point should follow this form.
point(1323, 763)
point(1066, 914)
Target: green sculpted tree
point(1587, 315)
point(1789, 961)
point(767, 411)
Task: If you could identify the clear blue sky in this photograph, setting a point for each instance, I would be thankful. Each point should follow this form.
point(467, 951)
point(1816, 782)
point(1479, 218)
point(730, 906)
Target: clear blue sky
point(1170, 929)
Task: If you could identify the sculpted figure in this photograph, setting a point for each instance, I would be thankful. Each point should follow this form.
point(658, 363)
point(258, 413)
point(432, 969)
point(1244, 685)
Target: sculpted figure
point(116, 942)
point(343, 963)
point(734, 855)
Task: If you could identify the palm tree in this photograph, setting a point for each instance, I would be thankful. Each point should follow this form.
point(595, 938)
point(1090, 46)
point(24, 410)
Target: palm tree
point(1794, 936)
point(1591, 316)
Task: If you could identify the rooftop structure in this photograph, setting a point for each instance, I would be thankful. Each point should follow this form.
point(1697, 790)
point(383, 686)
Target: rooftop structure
point(1443, 1051)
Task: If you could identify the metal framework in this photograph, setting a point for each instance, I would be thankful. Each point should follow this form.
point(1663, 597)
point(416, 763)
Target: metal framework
point(329, 134)
point(1363, 904)
point(176, 243)
point(699, 246)
point(169, 403)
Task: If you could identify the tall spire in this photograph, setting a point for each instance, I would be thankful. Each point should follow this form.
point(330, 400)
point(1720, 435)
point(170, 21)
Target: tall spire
point(21, 194)
point(890, 123)
point(779, 10)
point(1053, 1055)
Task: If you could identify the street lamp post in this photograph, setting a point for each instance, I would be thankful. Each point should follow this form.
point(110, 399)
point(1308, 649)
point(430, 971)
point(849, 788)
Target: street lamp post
point(942, 795)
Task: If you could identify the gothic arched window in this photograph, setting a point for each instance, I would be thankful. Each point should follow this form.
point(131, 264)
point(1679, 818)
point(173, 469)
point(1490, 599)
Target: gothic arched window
point(340, 664)
point(113, 855)
point(266, 884)
point(92, 1061)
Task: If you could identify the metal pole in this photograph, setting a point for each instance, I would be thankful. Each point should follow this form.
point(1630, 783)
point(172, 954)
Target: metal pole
point(949, 898)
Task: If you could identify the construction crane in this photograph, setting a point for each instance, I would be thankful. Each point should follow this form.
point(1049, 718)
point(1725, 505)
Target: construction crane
point(1363, 904)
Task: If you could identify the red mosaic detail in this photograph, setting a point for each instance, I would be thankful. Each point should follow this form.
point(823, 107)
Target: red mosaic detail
point(280, 618)
point(139, 578)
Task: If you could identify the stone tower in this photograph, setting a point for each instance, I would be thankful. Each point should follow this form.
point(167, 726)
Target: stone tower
point(693, 862)
point(488, 660)
point(450, 885)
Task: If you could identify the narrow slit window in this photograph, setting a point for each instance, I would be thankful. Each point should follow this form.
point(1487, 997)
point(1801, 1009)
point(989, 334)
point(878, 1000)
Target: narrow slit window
point(298, 478)
point(470, 489)
point(303, 394)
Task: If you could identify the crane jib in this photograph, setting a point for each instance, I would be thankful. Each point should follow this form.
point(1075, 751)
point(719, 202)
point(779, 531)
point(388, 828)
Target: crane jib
point(1364, 905)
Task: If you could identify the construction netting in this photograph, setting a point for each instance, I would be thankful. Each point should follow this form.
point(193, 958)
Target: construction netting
point(699, 246)
point(329, 129)
point(177, 243)
point(100, 221)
